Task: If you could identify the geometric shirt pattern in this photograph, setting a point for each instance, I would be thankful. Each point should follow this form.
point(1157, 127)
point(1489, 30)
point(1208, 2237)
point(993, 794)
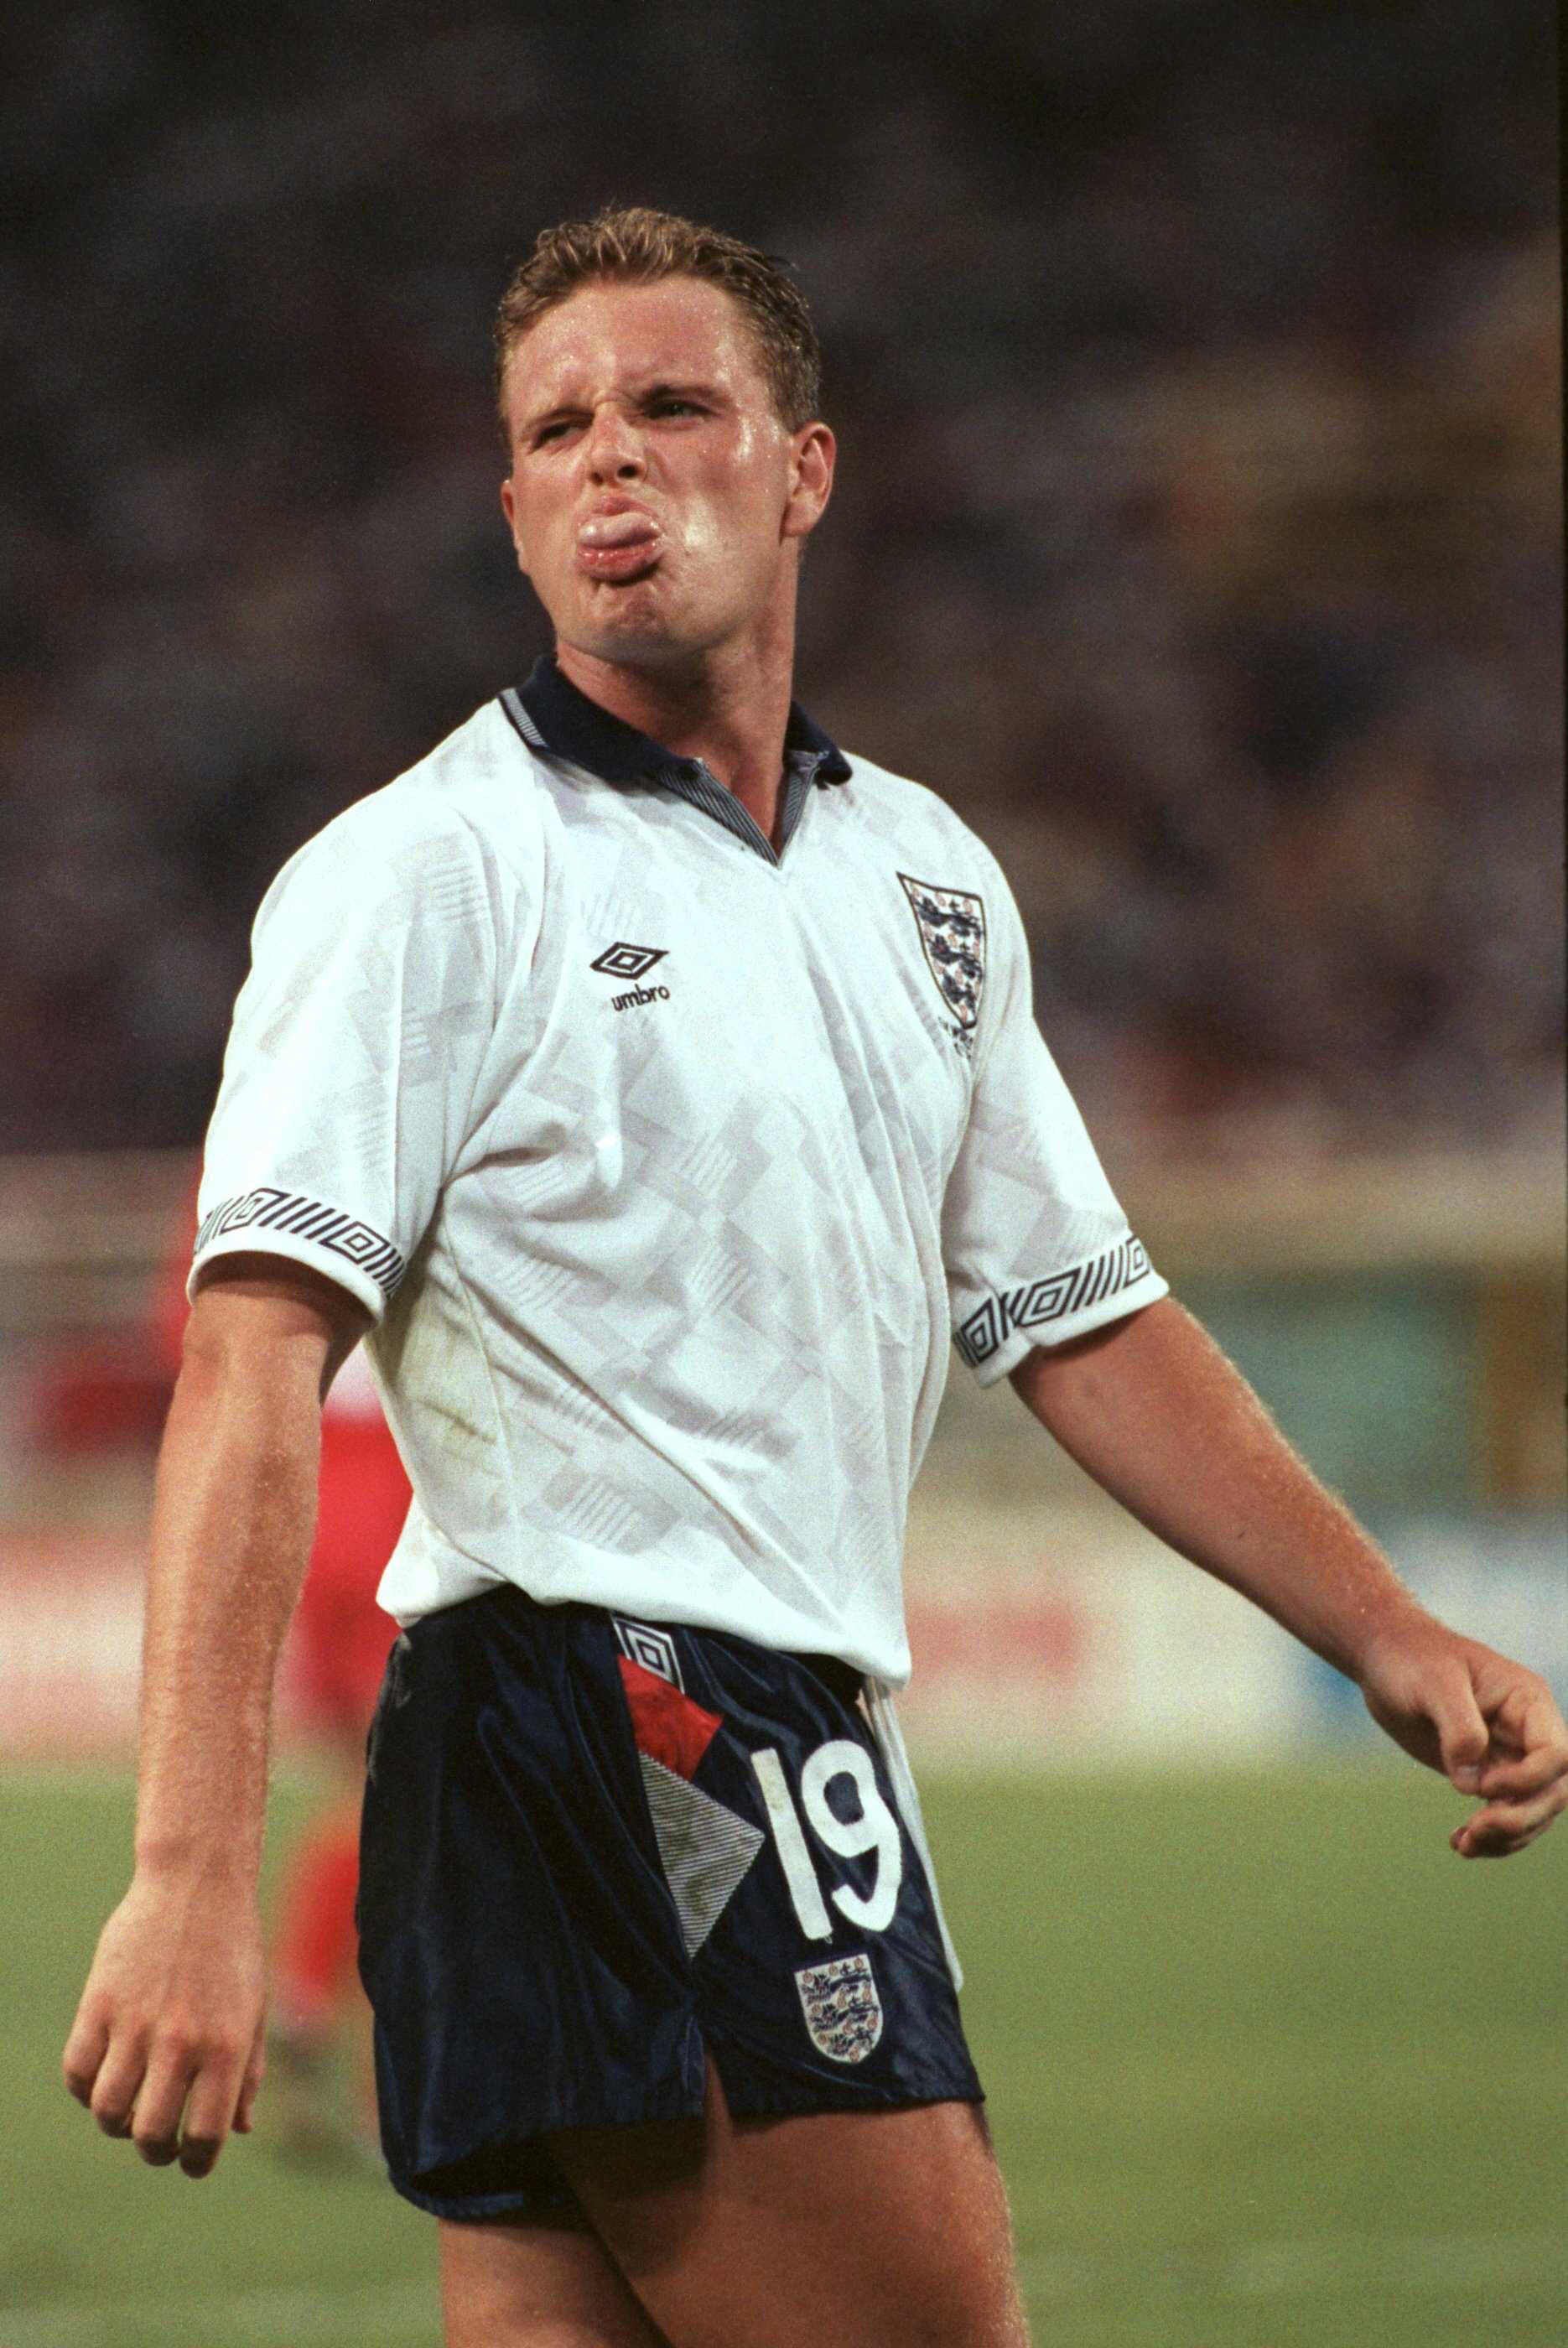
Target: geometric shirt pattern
point(668, 1163)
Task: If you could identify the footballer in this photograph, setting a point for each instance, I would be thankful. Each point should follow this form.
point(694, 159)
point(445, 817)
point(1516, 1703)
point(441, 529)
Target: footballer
point(653, 1086)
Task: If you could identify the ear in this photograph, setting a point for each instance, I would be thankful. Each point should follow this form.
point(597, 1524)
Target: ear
point(811, 480)
point(509, 507)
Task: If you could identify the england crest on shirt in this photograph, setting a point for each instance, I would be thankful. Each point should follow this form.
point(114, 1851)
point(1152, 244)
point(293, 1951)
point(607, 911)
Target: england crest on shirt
point(843, 2012)
point(952, 925)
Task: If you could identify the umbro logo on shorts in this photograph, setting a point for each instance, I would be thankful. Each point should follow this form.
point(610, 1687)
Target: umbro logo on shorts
point(642, 1642)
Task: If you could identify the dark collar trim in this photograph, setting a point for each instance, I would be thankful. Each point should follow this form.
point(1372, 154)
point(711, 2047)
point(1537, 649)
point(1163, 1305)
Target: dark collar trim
point(553, 715)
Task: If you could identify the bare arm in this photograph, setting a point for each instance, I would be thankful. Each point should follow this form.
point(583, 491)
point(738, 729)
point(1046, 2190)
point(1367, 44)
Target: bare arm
point(1155, 1413)
point(171, 2020)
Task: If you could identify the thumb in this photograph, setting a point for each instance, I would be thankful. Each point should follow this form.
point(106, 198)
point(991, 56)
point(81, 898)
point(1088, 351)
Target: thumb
point(1462, 1732)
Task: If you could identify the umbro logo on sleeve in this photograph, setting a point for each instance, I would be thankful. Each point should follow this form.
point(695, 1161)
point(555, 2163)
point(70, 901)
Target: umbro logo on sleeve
point(622, 961)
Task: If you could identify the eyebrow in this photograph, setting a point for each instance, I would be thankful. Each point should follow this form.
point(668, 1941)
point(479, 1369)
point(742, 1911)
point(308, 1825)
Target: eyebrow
point(699, 389)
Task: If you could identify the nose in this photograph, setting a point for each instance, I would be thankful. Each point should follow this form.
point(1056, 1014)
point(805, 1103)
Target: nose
point(615, 449)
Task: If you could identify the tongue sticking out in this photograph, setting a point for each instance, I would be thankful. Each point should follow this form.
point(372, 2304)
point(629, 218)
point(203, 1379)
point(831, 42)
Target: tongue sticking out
point(618, 546)
point(617, 530)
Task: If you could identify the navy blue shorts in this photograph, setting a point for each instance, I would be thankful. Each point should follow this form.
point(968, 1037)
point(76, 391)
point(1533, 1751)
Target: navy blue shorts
point(596, 1852)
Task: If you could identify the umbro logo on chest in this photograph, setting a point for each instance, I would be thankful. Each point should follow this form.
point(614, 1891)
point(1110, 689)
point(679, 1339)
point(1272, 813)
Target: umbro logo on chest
point(623, 960)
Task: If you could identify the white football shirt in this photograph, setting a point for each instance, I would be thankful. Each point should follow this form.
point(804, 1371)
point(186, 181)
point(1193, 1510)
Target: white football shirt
point(667, 1166)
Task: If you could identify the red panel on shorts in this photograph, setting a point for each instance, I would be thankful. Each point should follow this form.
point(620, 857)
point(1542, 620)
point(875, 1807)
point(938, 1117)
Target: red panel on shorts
point(668, 1726)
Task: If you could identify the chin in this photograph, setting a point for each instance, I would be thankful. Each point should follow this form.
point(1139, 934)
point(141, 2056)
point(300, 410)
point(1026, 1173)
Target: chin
point(637, 630)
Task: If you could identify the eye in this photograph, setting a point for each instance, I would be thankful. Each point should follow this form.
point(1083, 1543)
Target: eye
point(554, 431)
point(673, 406)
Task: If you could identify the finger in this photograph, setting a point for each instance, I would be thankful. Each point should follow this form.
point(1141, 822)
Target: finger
point(84, 2053)
point(250, 2085)
point(211, 2110)
point(1509, 1780)
point(1503, 1827)
point(155, 2125)
point(1542, 1729)
point(1528, 1811)
point(1524, 1708)
point(1463, 1733)
point(1495, 1845)
point(114, 2092)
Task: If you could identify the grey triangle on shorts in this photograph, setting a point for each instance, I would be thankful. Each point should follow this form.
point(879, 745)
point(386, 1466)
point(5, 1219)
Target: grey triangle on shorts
point(706, 1850)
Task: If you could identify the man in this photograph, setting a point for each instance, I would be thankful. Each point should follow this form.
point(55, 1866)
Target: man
point(659, 1087)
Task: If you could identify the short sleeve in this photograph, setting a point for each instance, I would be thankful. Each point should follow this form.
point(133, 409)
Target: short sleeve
point(1036, 1247)
point(356, 1045)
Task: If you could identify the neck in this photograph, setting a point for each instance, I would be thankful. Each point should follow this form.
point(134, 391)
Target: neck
point(729, 707)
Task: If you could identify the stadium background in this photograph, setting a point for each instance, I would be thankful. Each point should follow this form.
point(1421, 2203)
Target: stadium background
point(1198, 375)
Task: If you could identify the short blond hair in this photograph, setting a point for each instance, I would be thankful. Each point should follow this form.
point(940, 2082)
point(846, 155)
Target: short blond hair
point(637, 245)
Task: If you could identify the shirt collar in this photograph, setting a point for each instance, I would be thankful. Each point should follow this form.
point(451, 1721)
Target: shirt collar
point(571, 727)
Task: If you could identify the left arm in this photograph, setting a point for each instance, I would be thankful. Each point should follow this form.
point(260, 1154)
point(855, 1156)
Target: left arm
point(1155, 1413)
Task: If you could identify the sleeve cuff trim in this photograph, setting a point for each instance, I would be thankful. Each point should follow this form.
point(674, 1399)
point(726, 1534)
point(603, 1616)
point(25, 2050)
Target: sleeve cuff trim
point(289, 1223)
point(1060, 1306)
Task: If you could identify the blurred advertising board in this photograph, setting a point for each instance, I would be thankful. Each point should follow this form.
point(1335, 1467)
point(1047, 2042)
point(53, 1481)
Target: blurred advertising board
point(70, 1644)
point(1039, 1636)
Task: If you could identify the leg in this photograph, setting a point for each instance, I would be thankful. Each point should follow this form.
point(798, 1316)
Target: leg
point(312, 1956)
point(319, 2004)
point(536, 2286)
point(844, 2229)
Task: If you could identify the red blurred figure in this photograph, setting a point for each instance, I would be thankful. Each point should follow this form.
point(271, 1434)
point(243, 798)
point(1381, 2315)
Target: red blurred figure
point(332, 1675)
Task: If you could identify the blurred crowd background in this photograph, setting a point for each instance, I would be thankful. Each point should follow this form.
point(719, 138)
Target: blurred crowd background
point(1197, 373)
point(1196, 365)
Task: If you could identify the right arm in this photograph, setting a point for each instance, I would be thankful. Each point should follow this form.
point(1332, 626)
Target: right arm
point(170, 2022)
point(338, 1121)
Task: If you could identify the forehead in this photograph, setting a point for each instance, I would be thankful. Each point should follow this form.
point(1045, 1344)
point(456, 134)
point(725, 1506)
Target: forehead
point(611, 334)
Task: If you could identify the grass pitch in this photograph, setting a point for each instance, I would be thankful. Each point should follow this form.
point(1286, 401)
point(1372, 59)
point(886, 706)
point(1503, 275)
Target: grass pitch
point(1268, 2066)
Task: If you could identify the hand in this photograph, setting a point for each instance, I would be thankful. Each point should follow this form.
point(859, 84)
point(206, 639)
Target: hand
point(1486, 1723)
point(166, 2045)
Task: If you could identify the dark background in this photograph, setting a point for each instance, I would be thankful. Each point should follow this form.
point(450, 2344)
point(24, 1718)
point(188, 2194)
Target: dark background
point(1197, 372)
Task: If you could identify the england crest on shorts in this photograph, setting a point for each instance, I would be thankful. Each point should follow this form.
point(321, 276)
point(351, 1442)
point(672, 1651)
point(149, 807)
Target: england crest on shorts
point(843, 2012)
point(952, 925)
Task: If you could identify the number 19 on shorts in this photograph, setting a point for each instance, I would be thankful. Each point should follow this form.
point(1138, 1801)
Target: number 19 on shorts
point(873, 1827)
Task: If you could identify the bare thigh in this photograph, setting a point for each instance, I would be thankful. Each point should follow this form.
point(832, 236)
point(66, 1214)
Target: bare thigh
point(839, 2230)
point(536, 2286)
